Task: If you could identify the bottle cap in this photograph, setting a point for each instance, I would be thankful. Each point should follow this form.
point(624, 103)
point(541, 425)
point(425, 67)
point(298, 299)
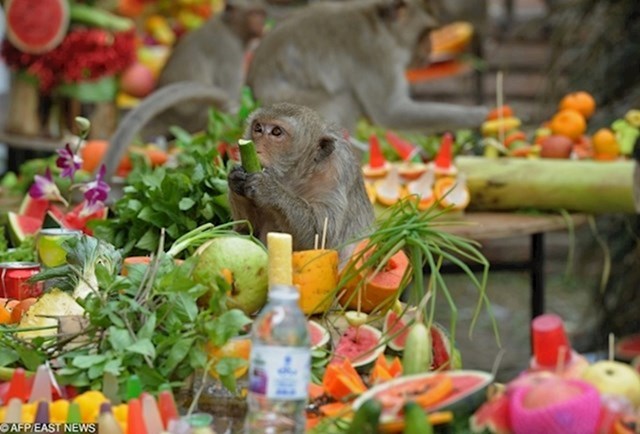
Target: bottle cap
point(284, 292)
point(549, 336)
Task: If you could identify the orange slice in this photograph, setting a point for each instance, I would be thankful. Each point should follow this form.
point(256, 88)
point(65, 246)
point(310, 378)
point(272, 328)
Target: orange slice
point(390, 189)
point(452, 192)
point(422, 188)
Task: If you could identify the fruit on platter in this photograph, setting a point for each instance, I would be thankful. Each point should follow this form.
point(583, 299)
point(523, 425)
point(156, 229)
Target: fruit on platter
point(369, 291)
point(244, 260)
point(137, 80)
point(555, 406)
point(319, 336)
point(556, 146)
point(36, 27)
point(378, 166)
point(568, 122)
point(581, 101)
point(460, 391)
point(361, 345)
point(43, 313)
point(614, 378)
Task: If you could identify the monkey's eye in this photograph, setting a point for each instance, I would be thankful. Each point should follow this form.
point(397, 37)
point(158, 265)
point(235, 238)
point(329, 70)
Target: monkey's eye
point(257, 128)
point(276, 131)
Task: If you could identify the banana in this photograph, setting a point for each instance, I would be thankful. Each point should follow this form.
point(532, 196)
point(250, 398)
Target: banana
point(493, 127)
point(416, 420)
point(418, 353)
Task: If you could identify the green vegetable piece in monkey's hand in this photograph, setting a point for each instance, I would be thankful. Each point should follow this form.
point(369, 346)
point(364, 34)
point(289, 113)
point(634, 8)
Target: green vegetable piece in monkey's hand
point(248, 156)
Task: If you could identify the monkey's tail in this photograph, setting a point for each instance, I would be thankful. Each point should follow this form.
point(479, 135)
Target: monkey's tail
point(156, 103)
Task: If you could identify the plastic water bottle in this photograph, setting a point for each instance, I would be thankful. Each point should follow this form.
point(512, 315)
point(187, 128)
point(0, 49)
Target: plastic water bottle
point(280, 366)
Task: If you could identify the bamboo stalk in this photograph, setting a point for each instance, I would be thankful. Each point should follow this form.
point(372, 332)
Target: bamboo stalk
point(502, 184)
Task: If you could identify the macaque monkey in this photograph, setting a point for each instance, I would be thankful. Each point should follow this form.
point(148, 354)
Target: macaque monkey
point(213, 55)
point(309, 173)
point(347, 60)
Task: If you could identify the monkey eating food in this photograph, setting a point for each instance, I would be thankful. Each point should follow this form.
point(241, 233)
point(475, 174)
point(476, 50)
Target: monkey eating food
point(310, 173)
point(347, 60)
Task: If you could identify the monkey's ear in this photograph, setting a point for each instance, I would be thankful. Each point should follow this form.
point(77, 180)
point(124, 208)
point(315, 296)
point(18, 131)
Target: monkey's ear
point(392, 9)
point(325, 148)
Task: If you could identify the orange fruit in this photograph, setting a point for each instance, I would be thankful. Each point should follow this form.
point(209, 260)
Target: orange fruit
point(238, 347)
point(605, 144)
point(504, 111)
point(580, 101)
point(451, 192)
point(92, 153)
point(5, 316)
point(569, 123)
point(21, 308)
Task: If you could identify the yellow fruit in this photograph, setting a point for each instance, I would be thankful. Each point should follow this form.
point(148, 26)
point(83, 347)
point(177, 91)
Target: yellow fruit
point(238, 347)
point(495, 126)
point(89, 403)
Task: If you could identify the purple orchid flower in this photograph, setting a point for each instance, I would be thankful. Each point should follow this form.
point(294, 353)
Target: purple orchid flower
point(68, 162)
point(95, 193)
point(43, 187)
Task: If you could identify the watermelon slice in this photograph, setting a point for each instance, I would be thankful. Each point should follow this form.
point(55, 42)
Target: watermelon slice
point(20, 227)
point(318, 335)
point(628, 347)
point(360, 345)
point(74, 219)
point(35, 208)
point(36, 26)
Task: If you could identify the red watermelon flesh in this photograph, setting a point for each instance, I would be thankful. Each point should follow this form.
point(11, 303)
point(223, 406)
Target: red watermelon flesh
point(21, 227)
point(628, 347)
point(360, 345)
point(395, 325)
point(318, 335)
point(74, 220)
point(35, 208)
point(36, 26)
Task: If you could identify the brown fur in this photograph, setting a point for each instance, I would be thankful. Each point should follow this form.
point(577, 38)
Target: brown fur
point(309, 173)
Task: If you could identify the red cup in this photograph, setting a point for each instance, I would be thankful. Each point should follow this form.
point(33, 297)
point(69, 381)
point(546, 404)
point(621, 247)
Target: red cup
point(548, 338)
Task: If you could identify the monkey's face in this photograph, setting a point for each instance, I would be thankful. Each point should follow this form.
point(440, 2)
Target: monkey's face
point(272, 138)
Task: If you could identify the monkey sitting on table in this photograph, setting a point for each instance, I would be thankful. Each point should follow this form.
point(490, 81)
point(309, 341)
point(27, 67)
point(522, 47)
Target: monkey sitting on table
point(347, 60)
point(309, 173)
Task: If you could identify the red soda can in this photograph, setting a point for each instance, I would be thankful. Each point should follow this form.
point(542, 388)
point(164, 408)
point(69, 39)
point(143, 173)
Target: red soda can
point(13, 280)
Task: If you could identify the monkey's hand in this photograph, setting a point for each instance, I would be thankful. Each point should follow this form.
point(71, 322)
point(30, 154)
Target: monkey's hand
point(237, 180)
point(262, 188)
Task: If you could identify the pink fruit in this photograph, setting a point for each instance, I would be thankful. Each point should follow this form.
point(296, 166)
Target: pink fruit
point(556, 146)
point(36, 26)
point(137, 80)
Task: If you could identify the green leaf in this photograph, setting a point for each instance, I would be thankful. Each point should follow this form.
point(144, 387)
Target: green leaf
point(85, 362)
point(149, 240)
point(144, 347)
point(185, 307)
point(119, 338)
point(8, 356)
point(186, 203)
point(147, 329)
point(96, 371)
point(226, 368)
point(176, 355)
point(227, 326)
point(113, 366)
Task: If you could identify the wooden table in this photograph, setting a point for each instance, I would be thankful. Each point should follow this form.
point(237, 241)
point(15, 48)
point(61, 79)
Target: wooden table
point(485, 226)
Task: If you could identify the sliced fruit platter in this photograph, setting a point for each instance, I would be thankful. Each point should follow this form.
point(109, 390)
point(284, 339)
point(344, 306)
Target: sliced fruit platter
point(437, 183)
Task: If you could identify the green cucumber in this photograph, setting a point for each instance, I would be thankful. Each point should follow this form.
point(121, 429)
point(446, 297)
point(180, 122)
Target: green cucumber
point(249, 156)
point(419, 359)
point(366, 419)
point(416, 420)
point(96, 17)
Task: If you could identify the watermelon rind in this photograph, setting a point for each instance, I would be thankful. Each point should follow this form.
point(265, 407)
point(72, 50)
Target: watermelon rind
point(403, 320)
point(367, 356)
point(28, 19)
point(323, 333)
point(20, 227)
point(462, 402)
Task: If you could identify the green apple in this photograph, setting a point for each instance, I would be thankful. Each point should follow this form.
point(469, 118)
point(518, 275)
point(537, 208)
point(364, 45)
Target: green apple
point(614, 378)
point(244, 262)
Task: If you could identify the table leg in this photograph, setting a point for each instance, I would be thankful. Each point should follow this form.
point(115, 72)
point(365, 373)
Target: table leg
point(537, 274)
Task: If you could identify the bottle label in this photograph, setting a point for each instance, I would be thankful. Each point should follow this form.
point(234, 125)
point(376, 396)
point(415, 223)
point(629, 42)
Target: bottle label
point(280, 372)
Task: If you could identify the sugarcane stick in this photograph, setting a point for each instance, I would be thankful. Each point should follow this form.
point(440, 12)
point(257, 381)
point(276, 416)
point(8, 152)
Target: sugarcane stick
point(551, 184)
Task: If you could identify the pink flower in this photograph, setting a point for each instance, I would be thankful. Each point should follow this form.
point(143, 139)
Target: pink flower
point(68, 162)
point(95, 193)
point(43, 187)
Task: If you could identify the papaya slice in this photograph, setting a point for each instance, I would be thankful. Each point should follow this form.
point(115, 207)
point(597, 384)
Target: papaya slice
point(315, 391)
point(379, 290)
point(335, 409)
point(426, 392)
point(342, 380)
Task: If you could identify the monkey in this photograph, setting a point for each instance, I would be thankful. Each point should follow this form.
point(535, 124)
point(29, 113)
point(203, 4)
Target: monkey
point(347, 60)
point(213, 54)
point(309, 173)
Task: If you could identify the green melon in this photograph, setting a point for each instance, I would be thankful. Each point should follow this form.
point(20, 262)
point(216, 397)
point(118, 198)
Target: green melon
point(21, 227)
